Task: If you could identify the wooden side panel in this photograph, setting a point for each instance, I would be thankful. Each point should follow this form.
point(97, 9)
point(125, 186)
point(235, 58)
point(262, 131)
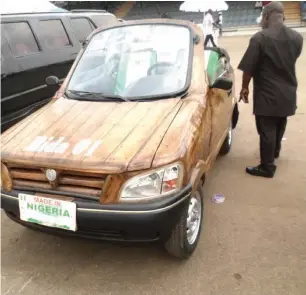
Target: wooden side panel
point(221, 113)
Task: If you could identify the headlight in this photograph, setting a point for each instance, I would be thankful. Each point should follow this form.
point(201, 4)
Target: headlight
point(153, 184)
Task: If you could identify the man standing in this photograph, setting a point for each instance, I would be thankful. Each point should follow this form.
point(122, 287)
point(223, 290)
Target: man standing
point(208, 23)
point(219, 22)
point(270, 60)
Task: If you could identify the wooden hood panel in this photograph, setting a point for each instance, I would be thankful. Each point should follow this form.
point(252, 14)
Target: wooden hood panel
point(93, 136)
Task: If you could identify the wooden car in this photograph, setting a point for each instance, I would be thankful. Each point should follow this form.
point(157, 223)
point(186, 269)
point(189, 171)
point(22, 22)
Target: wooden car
point(122, 150)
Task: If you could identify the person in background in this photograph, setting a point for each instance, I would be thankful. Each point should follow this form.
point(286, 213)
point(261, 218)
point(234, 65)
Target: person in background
point(219, 22)
point(165, 15)
point(208, 23)
point(270, 60)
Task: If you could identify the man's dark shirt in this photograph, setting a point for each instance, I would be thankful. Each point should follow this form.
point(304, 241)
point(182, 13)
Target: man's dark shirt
point(270, 59)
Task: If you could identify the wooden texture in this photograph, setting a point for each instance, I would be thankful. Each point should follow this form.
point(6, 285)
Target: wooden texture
point(65, 181)
point(6, 179)
point(111, 188)
point(130, 137)
point(74, 180)
point(30, 175)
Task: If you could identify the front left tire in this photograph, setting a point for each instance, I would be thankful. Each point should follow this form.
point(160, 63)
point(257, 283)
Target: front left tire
point(227, 144)
point(186, 233)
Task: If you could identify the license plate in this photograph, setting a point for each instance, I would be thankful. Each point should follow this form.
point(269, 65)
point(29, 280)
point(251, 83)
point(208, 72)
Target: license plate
point(47, 211)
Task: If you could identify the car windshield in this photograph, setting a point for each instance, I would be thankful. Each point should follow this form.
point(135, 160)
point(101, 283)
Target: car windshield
point(137, 61)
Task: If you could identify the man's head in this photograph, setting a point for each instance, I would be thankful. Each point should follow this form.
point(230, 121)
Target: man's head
point(209, 11)
point(272, 14)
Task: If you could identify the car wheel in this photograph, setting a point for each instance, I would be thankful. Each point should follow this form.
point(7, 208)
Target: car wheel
point(186, 233)
point(227, 144)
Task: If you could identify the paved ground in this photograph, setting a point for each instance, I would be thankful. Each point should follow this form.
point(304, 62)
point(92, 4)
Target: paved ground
point(253, 243)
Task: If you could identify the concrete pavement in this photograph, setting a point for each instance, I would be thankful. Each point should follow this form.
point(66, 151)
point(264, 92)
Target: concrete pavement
point(252, 244)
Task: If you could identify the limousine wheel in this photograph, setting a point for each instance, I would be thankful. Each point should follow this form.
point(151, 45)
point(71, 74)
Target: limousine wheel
point(185, 235)
point(227, 144)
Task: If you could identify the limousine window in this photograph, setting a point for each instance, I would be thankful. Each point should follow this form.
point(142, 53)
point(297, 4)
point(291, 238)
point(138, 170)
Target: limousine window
point(20, 38)
point(82, 27)
point(53, 34)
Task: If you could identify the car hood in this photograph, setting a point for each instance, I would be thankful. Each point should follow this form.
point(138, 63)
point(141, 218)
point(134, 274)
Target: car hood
point(96, 136)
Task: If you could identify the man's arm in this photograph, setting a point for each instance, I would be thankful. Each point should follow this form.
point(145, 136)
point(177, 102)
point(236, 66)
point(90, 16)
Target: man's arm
point(248, 65)
point(244, 93)
point(246, 78)
point(300, 45)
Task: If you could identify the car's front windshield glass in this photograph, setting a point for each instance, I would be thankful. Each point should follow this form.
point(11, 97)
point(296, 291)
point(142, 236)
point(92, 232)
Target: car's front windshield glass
point(134, 61)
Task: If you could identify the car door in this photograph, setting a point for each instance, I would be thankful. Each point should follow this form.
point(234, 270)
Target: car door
point(221, 102)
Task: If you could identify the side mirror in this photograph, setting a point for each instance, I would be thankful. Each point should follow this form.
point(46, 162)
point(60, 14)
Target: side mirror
point(52, 81)
point(223, 83)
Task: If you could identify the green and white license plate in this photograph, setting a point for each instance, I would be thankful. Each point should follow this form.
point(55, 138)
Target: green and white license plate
point(47, 211)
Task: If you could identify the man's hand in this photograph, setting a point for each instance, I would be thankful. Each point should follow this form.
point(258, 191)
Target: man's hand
point(244, 95)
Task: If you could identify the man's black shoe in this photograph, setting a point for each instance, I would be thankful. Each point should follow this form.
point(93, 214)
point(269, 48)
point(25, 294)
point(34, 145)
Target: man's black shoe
point(276, 155)
point(261, 171)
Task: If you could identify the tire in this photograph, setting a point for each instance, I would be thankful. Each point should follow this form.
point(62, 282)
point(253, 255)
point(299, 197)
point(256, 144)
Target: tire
point(235, 116)
point(180, 244)
point(227, 144)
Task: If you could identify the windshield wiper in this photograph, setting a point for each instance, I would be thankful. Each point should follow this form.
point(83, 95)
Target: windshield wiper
point(84, 93)
point(96, 95)
point(114, 97)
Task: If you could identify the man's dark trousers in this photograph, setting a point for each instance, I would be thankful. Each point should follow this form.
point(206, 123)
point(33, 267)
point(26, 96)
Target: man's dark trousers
point(271, 131)
point(211, 38)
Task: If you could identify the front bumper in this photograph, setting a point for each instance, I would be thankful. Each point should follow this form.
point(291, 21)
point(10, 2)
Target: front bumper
point(120, 222)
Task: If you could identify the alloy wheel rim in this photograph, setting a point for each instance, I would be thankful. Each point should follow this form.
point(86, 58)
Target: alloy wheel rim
point(194, 218)
point(230, 136)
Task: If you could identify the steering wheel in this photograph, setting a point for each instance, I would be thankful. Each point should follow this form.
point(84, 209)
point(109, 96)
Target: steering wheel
point(112, 65)
point(157, 65)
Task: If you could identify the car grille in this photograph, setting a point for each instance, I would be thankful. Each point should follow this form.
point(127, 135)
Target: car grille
point(68, 181)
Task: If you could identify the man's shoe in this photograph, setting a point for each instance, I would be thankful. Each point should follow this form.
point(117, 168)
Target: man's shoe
point(260, 171)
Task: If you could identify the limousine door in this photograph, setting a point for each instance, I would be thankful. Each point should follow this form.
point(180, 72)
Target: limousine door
point(31, 58)
point(9, 66)
point(60, 45)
